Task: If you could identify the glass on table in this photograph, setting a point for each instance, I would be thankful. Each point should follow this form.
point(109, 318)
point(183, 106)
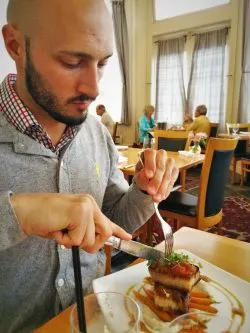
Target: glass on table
point(235, 129)
point(148, 142)
point(108, 312)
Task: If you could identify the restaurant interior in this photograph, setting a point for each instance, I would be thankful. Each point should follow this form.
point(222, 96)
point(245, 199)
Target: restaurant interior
point(176, 56)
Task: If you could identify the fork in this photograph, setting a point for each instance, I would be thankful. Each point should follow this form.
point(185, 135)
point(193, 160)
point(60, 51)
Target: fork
point(167, 230)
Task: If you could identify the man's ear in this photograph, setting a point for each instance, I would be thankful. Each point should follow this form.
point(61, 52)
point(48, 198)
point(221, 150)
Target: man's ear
point(12, 40)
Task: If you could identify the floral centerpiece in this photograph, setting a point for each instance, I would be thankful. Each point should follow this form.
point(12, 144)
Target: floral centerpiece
point(199, 141)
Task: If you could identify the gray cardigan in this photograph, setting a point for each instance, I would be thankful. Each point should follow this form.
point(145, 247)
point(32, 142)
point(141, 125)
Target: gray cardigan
point(36, 275)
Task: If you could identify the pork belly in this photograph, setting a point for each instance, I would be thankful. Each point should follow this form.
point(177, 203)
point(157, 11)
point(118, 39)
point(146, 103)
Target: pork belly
point(171, 300)
point(182, 276)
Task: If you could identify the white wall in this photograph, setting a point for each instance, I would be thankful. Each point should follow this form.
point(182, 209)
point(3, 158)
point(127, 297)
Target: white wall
point(6, 63)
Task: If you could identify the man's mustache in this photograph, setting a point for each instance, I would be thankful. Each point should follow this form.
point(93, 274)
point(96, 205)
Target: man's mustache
point(82, 99)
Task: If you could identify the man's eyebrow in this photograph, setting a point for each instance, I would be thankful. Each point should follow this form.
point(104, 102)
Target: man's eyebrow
point(82, 55)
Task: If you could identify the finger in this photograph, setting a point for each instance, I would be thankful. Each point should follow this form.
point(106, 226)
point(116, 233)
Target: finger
point(161, 165)
point(168, 180)
point(149, 162)
point(63, 239)
point(89, 237)
point(98, 244)
point(167, 190)
point(120, 232)
point(174, 177)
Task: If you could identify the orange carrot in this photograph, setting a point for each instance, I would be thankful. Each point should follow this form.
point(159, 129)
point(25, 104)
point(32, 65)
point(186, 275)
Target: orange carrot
point(201, 294)
point(206, 308)
point(200, 300)
point(196, 329)
point(149, 293)
point(143, 328)
point(163, 315)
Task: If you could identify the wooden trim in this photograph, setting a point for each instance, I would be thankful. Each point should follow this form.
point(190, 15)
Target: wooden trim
point(245, 168)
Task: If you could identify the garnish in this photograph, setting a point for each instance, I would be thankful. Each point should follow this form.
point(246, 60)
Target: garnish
point(151, 262)
point(173, 258)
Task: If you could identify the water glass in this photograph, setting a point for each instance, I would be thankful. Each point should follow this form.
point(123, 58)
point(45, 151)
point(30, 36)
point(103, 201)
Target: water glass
point(148, 142)
point(108, 312)
point(235, 129)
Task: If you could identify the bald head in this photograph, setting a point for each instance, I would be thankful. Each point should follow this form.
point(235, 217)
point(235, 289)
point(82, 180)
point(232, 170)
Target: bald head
point(61, 48)
point(31, 16)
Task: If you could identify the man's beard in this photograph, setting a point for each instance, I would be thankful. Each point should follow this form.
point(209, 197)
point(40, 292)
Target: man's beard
point(37, 87)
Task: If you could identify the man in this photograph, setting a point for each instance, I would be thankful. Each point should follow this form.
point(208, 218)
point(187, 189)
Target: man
point(106, 119)
point(59, 183)
point(201, 122)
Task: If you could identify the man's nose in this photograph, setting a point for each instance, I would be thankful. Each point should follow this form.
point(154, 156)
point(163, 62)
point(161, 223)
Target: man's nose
point(88, 83)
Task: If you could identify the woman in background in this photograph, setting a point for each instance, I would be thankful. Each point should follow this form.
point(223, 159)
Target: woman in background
point(146, 122)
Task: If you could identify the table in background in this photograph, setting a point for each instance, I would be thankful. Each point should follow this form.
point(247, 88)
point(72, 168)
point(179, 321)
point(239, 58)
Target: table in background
point(182, 163)
point(229, 254)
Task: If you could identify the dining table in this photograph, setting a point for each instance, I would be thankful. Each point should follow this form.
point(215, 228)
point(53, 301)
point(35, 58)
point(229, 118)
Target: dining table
point(228, 254)
point(182, 162)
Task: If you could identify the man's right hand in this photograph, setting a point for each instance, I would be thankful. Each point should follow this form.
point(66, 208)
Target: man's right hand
point(70, 219)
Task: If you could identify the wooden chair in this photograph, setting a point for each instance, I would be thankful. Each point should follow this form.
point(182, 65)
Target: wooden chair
point(241, 148)
point(204, 210)
point(172, 140)
point(214, 130)
point(114, 135)
point(245, 169)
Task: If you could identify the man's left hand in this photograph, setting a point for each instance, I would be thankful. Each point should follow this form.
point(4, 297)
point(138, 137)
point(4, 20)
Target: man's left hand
point(158, 174)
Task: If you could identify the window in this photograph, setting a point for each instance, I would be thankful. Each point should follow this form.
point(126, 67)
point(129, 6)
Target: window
point(167, 8)
point(110, 90)
point(170, 96)
point(191, 72)
point(110, 86)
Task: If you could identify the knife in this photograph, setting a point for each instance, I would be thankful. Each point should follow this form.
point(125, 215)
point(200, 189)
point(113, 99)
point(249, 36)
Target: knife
point(135, 248)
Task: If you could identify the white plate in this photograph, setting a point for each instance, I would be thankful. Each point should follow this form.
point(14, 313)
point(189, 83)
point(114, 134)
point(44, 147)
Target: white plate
point(134, 275)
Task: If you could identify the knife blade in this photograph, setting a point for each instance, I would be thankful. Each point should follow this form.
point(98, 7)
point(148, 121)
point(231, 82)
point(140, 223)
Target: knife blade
point(135, 248)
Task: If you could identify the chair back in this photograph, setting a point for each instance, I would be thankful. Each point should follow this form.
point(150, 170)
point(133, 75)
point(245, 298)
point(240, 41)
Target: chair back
point(172, 140)
point(115, 131)
point(214, 177)
point(214, 130)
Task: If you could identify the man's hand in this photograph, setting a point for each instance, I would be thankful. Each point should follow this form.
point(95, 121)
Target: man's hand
point(158, 175)
point(70, 219)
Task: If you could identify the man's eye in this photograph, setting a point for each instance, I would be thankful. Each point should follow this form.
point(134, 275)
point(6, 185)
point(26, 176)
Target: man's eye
point(102, 64)
point(71, 65)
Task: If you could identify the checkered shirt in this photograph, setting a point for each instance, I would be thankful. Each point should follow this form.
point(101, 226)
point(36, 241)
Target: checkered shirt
point(18, 114)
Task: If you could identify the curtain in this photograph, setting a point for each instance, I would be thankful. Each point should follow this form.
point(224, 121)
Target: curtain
point(206, 84)
point(244, 103)
point(121, 38)
point(170, 92)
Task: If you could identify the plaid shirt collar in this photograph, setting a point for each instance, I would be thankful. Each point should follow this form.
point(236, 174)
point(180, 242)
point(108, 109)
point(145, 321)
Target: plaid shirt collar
point(24, 121)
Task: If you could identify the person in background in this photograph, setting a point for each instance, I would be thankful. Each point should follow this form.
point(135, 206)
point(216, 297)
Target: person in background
point(59, 182)
point(146, 123)
point(201, 122)
point(105, 118)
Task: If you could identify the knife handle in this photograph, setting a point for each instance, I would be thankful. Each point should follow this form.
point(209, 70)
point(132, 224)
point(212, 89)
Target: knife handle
point(114, 242)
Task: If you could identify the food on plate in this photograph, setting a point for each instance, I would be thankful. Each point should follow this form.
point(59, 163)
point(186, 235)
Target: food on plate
point(182, 275)
point(171, 299)
point(174, 277)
